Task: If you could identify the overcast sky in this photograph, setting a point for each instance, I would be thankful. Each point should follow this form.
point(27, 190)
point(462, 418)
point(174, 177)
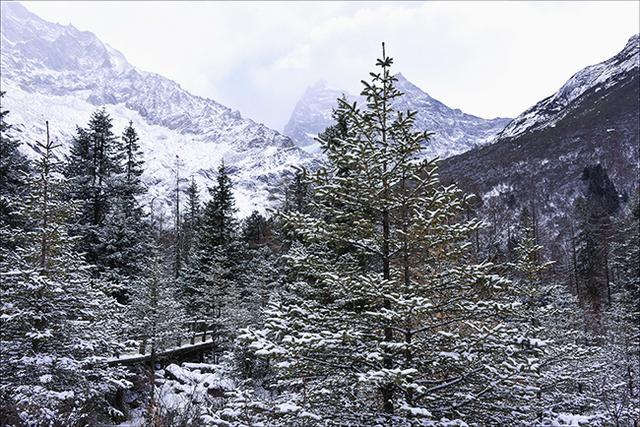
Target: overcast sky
point(488, 59)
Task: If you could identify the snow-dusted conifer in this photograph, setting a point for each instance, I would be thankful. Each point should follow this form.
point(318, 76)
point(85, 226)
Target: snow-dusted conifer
point(54, 314)
point(126, 231)
point(190, 221)
point(387, 315)
point(14, 171)
point(92, 166)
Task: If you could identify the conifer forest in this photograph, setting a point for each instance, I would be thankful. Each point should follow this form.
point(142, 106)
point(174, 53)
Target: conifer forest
point(366, 282)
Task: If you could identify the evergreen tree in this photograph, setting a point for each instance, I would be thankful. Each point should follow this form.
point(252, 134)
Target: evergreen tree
point(591, 272)
point(297, 194)
point(255, 230)
point(219, 222)
point(92, 166)
point(212, 274)
point(55, 319)
point(335, 133)
point(106, 173)
point(387, 316)
point(126, 231)
point(191, 221)
point(14, 171)
point(133, 163)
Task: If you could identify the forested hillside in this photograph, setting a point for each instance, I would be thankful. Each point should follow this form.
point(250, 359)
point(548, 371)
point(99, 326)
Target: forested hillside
point(379, 292)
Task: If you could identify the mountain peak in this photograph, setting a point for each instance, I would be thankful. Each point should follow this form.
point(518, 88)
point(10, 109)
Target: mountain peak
point(454, 130)
point(61, 74)
point(400, 77)
point(319, 85)
point(632, 47)
point(406, 86)
point(594, 77)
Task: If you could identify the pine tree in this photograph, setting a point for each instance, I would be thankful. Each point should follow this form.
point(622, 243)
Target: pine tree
point(126, 231)
point(211, 283)
point(297, 194)
point(219, 222)
point(14, 170)
point(335, 133)
point(133, 163)
point(215, 244)
point(255, 229)
point(54, 321)
point(590, 262)
point(106, 173)
point(386, 315)
point(191, 221)
point(92, 166)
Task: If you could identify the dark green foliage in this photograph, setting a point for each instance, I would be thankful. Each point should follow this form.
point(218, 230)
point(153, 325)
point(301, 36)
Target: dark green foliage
point(335, 133)
point(91, 164)
point(14, 171)
point(133, 163)
point(594, 233)
point(256, 230)
point(218, 219)
point(600, 189)
point(191, 221)
point(106, 175)
point(212, 266)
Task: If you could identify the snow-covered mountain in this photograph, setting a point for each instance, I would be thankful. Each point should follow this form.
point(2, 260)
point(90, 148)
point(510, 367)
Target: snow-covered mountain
point(313, 114)
point(454, 131)
point(597, 77)
point(542, 156)
point(61, 74)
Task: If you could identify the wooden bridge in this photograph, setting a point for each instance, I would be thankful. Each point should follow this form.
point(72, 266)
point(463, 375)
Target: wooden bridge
point(200, 337)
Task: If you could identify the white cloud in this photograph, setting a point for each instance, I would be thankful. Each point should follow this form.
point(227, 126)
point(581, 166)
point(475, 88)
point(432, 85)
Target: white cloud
point(489, 59)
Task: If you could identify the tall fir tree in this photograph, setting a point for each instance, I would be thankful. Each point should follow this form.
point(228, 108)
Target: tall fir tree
point(219, 217)
point(106, 173)
point(92, 165)
point(126, 230)
point(591, 272)
point(14, 173)
point(191, 221)
point(211, 276)
point(387, 317)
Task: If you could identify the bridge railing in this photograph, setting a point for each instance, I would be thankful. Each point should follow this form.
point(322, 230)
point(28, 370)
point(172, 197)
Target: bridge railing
point(193, 332)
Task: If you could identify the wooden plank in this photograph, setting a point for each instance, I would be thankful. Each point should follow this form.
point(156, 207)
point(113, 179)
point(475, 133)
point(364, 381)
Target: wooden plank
point(165, 354)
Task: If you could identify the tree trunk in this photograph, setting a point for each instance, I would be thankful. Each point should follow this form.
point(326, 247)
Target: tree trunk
point(45, 203)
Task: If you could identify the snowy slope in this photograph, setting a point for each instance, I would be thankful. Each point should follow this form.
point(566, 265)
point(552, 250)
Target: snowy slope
point(541, 157)
point(598, 77)
point(454, 131)
point(61, 74)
